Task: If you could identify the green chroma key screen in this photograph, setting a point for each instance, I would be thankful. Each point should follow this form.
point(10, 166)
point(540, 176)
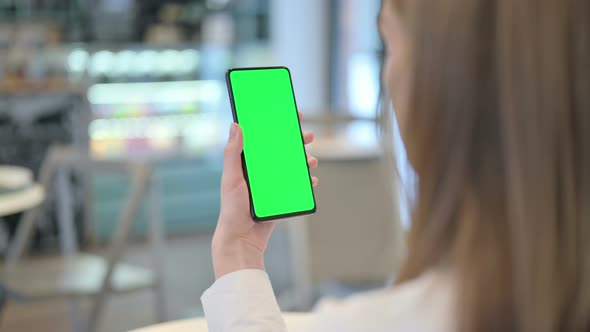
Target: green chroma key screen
point(263, 104)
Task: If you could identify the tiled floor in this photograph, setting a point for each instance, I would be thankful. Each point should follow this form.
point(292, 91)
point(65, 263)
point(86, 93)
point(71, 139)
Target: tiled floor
point(188, 274)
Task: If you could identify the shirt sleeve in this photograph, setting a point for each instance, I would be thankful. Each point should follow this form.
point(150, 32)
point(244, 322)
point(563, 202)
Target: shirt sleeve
point(242, 301)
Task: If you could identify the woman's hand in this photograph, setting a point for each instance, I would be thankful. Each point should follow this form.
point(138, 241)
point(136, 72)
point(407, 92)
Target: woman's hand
point(239, 243)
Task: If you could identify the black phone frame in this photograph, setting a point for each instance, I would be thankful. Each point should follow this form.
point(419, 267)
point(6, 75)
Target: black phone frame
point(256, 218)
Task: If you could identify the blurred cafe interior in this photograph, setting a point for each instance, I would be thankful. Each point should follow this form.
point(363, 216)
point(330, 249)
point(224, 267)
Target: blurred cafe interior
point(113, 118)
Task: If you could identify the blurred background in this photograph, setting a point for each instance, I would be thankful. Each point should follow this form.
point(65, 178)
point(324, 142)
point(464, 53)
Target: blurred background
point(113, 116)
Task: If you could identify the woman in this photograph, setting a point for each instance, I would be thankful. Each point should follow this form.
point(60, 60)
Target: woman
point(493, 101)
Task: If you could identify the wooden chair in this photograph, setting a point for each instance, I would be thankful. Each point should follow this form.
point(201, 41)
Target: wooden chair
point(75, 275)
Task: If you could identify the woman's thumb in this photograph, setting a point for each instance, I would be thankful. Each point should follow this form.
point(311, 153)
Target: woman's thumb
point(232, 156)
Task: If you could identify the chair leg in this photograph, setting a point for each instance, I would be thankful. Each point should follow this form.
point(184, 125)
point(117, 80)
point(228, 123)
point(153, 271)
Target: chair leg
point(139, 182)
point(157, 243)
point(77, 321)
point(3, 297)
point(65, 217)
point(22, 236)
point(55, 156)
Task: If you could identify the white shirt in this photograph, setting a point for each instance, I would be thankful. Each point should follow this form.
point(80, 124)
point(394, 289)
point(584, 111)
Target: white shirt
point(243, 301)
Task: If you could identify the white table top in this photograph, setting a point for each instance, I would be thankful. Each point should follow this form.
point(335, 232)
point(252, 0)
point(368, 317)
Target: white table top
point(294, 321)
point(21, 193)
point(19, 201)
point(14, 178)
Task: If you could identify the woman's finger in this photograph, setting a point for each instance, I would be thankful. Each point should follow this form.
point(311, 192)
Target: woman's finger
point(314, 181)
point(308, 137)
point(300, 115)
point(312, 162)
point(232, 160)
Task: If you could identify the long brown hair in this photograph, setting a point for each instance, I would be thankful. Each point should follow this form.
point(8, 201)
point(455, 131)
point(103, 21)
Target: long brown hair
point(498, 132)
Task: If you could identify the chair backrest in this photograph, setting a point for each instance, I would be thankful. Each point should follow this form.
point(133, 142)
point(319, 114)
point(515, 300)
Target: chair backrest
point(59, 161)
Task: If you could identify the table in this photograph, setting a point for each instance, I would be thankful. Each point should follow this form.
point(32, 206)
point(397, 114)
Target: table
point(294, 321)
point(73, 275)
point(18, 192)
point(22, 194)
point(14, 177)
point(19, 201)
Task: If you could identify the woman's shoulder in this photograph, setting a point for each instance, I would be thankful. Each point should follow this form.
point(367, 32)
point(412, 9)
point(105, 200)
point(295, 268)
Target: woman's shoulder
point(422, 304)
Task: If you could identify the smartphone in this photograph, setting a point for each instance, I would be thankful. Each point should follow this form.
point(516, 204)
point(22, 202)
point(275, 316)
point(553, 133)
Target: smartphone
point(274, 159)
